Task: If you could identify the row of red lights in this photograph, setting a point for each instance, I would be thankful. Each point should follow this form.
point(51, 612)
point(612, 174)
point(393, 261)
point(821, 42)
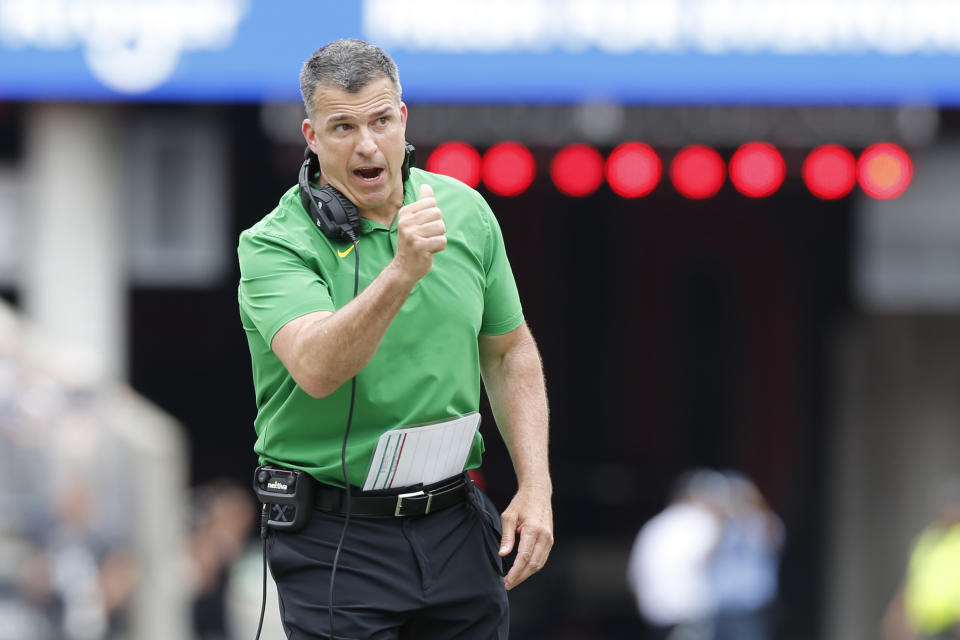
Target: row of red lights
point(633, 169)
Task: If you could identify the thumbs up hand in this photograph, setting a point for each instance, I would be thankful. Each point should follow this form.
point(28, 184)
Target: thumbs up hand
point(420, 234)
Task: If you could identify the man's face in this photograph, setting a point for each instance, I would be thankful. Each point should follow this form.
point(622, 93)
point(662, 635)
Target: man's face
point(359, 139)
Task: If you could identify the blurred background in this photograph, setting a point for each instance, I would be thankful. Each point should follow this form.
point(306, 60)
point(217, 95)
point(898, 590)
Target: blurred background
point(733, 224)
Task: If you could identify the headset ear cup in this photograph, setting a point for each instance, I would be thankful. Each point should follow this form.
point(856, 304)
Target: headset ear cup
point(349, 217)
point(333, 213)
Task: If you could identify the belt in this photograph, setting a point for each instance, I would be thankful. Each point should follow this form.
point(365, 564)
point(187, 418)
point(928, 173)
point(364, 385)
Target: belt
point(414, 502)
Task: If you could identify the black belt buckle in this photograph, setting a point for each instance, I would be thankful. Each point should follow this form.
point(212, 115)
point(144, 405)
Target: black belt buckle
point(410, 496)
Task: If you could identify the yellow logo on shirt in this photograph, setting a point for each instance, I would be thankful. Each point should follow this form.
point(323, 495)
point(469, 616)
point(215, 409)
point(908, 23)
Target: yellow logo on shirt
point(344, 254)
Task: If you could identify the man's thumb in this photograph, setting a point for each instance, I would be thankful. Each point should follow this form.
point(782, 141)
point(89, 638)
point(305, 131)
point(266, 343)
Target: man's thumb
point(426, 191)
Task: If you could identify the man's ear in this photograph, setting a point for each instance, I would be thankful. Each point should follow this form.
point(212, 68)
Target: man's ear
point(403, 116)
point(309, 134)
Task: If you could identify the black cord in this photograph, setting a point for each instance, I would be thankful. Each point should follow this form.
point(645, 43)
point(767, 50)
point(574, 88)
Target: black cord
point(343, 449)
point(263, 536)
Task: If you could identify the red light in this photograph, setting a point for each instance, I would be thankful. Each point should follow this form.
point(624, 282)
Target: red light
point(757, 169)
point(577, 170)
point(508, 168)
point(458, 160)
point(697, 172)
point(633, 169)
point(884, 171)
point(830, 172)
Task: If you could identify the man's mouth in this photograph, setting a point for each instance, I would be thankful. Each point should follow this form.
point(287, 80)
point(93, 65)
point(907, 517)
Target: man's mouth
point(368, 173)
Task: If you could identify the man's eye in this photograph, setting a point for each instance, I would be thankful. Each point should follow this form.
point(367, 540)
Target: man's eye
point(342, 127)
point(383, 120)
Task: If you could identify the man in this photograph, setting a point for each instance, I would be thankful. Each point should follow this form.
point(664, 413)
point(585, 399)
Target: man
point(707, 565)
point(437, 307)
point(667, 568)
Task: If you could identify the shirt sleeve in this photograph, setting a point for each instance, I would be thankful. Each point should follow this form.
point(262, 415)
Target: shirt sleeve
point(276, 285)
point(502, 311)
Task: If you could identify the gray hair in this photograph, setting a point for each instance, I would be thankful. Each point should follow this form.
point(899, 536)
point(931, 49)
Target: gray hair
point(349, 65)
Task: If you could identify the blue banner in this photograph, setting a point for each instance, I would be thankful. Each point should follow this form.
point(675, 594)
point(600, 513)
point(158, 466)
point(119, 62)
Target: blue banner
point(536, 51)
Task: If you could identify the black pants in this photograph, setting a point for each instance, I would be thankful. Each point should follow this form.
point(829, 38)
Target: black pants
point(426, 577)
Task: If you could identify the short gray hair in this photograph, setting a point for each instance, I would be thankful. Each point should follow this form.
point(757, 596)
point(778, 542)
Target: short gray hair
point(349, 65)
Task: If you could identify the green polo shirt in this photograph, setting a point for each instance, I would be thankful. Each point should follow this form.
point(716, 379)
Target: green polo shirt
point(427, 366)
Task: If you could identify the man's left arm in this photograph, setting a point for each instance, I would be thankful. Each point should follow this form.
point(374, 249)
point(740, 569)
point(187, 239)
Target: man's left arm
point(513, 377)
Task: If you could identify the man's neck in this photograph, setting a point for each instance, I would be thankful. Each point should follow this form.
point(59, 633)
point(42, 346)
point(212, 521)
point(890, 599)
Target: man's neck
point(382, 215)
point(385, 213)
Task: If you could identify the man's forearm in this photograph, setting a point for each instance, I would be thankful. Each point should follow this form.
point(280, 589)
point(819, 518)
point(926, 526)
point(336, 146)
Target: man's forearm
point(515, 386)
point(513, 376)
point(333, 349)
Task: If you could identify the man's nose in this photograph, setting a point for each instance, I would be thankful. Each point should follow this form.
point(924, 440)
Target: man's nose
point(366, 145)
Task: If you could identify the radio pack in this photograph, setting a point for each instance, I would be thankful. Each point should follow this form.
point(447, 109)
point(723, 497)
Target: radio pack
point(288, 495)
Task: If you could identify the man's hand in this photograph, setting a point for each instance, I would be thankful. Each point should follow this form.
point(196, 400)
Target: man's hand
point(530, 515)
point(420, 234)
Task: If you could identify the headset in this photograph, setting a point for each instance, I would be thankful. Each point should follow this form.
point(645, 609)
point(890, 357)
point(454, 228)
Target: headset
point(335, 216)
point(287, 495)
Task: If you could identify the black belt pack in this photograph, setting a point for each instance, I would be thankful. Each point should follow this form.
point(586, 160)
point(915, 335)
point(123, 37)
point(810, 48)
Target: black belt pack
point(288, 495)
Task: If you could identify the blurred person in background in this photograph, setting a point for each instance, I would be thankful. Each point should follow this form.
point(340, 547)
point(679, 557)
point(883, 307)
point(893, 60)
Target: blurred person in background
point(743, 569)
point(706, 567)
point(72, 570)
point(927, 604)
point(76, 578)
point(667, 569)
point(223, 519)
point(437, 306)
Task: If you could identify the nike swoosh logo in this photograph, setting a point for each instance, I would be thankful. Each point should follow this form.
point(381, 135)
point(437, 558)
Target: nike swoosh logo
point(344, 254)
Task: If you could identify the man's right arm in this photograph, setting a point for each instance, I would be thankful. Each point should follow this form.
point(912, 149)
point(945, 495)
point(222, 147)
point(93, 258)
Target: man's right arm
point(324, 349)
